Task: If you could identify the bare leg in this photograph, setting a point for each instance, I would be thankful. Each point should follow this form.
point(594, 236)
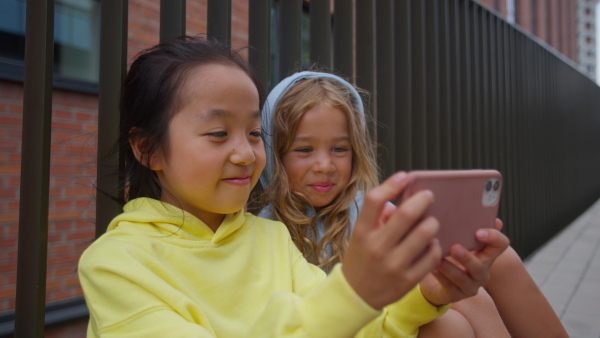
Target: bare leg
point(522, 306)
point(451, 324)
point(481, 313)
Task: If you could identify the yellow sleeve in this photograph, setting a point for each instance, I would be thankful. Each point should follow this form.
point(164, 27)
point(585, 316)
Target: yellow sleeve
point(404, 317)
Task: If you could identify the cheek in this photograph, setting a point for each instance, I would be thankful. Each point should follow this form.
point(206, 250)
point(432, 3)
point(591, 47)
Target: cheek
point(345, 167)
point(293, 167)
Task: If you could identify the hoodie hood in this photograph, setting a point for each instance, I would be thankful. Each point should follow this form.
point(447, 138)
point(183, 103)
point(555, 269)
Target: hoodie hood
point(271, 103)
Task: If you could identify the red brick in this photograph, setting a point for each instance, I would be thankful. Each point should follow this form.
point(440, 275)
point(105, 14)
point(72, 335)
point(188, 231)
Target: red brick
point(61, 271)
point(12, 254)
point(12, 229)
point(64, 170)
point(72, 281)
point(8, 267)
point(6, 292)
point(9, 217)
point(66, 126)
point(62, 204)
point(81, 235)
point(63, 259)
point(10, 169)
point(59, 249)
point(15, 158)
point(15, 108)
point(61, 113)
point(61, 215)
point(53, 284)
point(9, 145)
point(10, 121)
point(58, 136)
point(8, 193)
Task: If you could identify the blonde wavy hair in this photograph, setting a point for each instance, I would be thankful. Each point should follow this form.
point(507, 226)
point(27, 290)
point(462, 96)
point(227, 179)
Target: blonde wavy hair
point(290, 207)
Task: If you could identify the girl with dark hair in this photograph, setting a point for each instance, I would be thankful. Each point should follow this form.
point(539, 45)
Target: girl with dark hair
point(185, 260)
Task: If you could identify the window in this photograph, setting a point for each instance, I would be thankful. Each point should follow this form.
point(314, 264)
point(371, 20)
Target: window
point(76, 42)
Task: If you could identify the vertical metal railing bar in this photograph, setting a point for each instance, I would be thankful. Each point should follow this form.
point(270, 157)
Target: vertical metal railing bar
point(259, 39)
point(502, 114)
point(510, 182)
point(457, 84)
point(218, 20)
point(403, 84)
point(320, 33)
point(545, 117)
point(530, 136)
point(419, 94)
point(365, 56)
point(384, 93)
point(509, 171)
point(519, 224)
point(492, 129)
point(343, 42)
point(289, 25)
point(35, 169)
point(487, 65)
point(432, 84)
point(113, 67)
point(466, 112)
point(445, 85)
point(534, 156)
point(542, 119)
point(529, 203)
point(478, 136)
point(172, 19)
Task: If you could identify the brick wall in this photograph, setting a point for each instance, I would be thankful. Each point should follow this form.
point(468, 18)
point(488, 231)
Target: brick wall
point(73, 159)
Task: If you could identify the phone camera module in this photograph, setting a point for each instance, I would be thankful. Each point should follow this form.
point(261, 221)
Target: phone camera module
point(491, 192)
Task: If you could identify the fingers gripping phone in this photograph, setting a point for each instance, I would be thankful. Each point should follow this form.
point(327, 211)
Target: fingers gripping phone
point(464, 201)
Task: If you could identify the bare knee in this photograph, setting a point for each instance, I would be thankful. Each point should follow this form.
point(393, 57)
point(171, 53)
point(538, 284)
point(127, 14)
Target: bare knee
point(451, 324)
point(483, 316)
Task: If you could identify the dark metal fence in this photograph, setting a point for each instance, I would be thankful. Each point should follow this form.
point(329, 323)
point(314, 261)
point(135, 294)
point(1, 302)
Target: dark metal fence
point(454, 86)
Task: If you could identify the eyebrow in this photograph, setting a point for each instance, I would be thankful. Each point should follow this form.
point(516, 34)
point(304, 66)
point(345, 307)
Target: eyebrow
point(307, 138)
point(221, 114)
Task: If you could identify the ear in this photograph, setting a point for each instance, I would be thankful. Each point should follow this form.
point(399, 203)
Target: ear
point(139, 148)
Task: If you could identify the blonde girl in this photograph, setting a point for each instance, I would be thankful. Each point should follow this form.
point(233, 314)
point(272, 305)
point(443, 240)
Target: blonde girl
point(320, 161)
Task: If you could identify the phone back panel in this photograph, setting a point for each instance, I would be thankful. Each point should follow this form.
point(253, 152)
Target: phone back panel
point(465, 200)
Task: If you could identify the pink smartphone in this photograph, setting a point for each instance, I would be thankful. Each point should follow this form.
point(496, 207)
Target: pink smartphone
point(465, 200)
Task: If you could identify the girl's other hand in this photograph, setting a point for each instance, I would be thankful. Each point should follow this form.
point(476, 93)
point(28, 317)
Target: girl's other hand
point(461, 274)
point(391, 249)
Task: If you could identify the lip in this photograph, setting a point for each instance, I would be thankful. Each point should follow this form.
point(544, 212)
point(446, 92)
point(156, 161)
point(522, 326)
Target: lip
point(241, 181)
point(322, 187)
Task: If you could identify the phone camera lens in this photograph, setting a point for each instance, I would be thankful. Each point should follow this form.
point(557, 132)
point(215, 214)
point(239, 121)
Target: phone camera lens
point(488, 186)
point(496, 185)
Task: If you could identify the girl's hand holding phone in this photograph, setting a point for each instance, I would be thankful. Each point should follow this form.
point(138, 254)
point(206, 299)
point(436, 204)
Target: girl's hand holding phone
point(392, 249)
point(461, 274)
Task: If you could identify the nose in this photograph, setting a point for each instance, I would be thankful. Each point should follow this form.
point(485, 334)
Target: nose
point(242, 153)
point(323, 163)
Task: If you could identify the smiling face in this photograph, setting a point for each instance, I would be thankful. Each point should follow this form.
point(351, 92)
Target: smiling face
point(319, 161)
point(215, 151)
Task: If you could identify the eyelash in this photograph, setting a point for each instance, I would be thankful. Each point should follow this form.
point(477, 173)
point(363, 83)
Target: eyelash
point(335, 150)
point(221, 134)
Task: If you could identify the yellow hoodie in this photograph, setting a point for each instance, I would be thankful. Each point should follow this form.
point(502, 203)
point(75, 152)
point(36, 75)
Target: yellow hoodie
point(161, 272)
